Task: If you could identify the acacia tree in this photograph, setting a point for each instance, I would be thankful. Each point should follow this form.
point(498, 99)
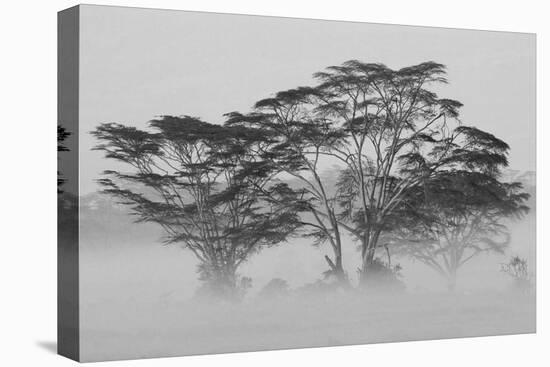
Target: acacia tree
point(387, 116)
point(517, 268)
point(197, 181)
point(300, 140)
point(382, 126)
point(457, 216)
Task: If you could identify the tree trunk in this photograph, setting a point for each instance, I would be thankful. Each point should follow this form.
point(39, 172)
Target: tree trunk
point(368, 251)
point(337, 269)
point(451, 281)
point(336, 265)
point(220, 282)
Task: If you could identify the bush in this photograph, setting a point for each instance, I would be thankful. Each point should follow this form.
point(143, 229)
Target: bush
point(276, 287)
point(517, 268)
point(216, 289)
point(381, 276)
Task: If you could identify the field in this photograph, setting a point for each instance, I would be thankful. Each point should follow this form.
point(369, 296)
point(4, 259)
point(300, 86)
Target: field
point(137, 300)
point(140, 330)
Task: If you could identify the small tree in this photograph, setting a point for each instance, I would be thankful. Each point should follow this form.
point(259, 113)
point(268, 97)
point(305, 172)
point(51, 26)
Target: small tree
point(457, 216)
point(517, 268)
point(276, 287)
point(198, 182)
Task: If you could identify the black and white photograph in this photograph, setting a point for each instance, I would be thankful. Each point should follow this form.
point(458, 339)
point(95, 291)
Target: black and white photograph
point(252, 183)
point(274, 183)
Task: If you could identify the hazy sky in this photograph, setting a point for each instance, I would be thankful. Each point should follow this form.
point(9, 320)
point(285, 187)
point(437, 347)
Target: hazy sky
point(137, 64)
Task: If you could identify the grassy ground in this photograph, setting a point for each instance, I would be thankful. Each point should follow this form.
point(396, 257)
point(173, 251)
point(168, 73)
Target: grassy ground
point(130, 329)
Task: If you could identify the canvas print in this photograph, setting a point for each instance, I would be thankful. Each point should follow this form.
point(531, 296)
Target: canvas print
point(235, 183)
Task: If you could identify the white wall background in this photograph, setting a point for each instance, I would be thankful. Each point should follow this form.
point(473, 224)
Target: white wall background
point(28, 199)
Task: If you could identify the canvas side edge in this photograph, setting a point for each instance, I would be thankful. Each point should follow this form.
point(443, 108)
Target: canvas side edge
point(68, 343)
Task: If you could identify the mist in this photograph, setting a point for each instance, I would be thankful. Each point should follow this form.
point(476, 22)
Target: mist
point(139, 297)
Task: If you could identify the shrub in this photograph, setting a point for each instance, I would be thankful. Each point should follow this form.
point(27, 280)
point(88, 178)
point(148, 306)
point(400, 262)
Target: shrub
point(517, 268)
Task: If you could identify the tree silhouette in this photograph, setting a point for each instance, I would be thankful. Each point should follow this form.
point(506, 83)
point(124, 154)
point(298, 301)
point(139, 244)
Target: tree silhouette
point(517, 268)
point(458, 215)
point(388, 116)
point(199, 182)
point(300, 140)
point(387, 129)
point(62, 134)
point(409, 173)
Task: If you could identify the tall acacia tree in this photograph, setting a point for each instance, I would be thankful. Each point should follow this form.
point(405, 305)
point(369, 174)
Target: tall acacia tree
point(387, 115)
point(300, 141)
point(198, 182)
point(385, 127)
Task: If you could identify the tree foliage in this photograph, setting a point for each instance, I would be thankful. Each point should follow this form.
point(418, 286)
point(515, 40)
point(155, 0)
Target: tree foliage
point(388, 130)
point(457, 216)
point(410, 174)
point(199, 182)
point(300, 140)
point(62, 134)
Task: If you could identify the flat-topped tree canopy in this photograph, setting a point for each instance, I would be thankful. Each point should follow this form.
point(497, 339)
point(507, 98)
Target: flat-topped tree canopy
point(199, 182)
point(388, 131)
